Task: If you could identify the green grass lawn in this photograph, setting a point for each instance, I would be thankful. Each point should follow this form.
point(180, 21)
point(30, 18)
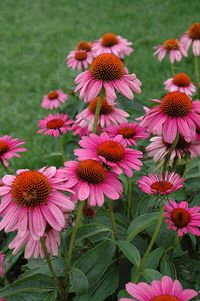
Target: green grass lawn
point(36, 36)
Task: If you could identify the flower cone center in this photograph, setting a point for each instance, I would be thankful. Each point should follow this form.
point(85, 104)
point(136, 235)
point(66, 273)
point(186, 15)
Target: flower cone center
point(55, 123)
point(176, 104)
point(171, 44)
point(109, 39)
point(105, 108)
point(161, 186)
point(181, 80)
point(3, 147)
point(180, 217)
point(91, 171)
point(30, 189)
point(84, 45)
point(194, 31)
point(53, 95)
point(111, 151)
point(107, 67)
point(127, 132)
point(80, 55)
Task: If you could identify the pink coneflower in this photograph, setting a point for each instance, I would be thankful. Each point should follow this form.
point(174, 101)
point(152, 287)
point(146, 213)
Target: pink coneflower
point(192, 37)
point(111, 43)
point(2, 255)
point(129, 131)
point(158, 149)
point(165, 289)
point(110, 151)
point(182, 218)
point(109, 115)
point(90, 180)
point(84, 45)
point(79, 59)
point(170, 47)
point(54, 99)
point(9, 148)
point(180, 82)
point(32, 199)
point(107, 71)
point(33, 247)
point(175, 113)
point(159, 185)
point(55, 125)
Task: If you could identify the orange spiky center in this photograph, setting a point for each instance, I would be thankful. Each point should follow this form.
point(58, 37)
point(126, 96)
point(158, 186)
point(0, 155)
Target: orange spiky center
point(53, 95)
point(181, 80)
point(84, 45)
point(80, 55)
point(127, 132)
point(30, 189)
point(91, 171)
point(109, 39)
point(3, 147)
point(194, 31)
point(111, 151)
point(176, 104)
point(107, 67)
point(171, 44)
point(105, 108)
point(161, 186)
point(180, 217)
point(55, 123)
point(165, 298)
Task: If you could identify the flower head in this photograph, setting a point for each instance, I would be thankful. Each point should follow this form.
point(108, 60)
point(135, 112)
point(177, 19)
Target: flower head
point(9, 148)
point(32, 199)
point(84, 45)
point(158, 149)
point(192, 38)
point(55, 125)
point(180, 82)
point(54, 99)
point(110, 151)
point(90, 180)
point(33, 247)
point(159, 185)
point(175, 113)
point(129, 131)
point(109, 114)
point(107, 71)
point(165, 289)
point(111, 43)
point(79, 59)
point(181, 218)
point(171, 47)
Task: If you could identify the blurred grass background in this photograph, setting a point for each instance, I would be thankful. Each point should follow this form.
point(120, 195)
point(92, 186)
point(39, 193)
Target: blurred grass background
point(36, 36)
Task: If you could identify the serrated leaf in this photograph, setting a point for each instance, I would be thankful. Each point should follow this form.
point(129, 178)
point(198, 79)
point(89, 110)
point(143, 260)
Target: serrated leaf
point(130, 251)
point(140, 223)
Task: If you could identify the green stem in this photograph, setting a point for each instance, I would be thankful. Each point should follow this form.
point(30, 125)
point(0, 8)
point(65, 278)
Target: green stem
point(197, 74)
point(112, 218)
point(172, 69)
point(98, 109)
point(148, 250)
point(167, 157)
point(186, 167)
point(176, 243)
point(129, 215)
point(55, 278)
point(61, 146)
point(73, 235)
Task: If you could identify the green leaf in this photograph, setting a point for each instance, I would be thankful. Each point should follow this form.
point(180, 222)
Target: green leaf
point(130, 251)
point(140, 223)
point(34, 285)
point(154, 258)
point(123, 294)
point(150, 275)
point(95, 262)
point(78, 281)
point(89, 230)
point(167, 267)
point(51, 296)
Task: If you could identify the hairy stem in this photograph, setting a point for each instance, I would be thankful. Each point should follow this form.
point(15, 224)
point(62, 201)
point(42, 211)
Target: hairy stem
point(61, 147)
point(129, 215)
point(167, 157)
point(55, 278)
point(98, 109)
point(112, 218)
point(197, 74)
